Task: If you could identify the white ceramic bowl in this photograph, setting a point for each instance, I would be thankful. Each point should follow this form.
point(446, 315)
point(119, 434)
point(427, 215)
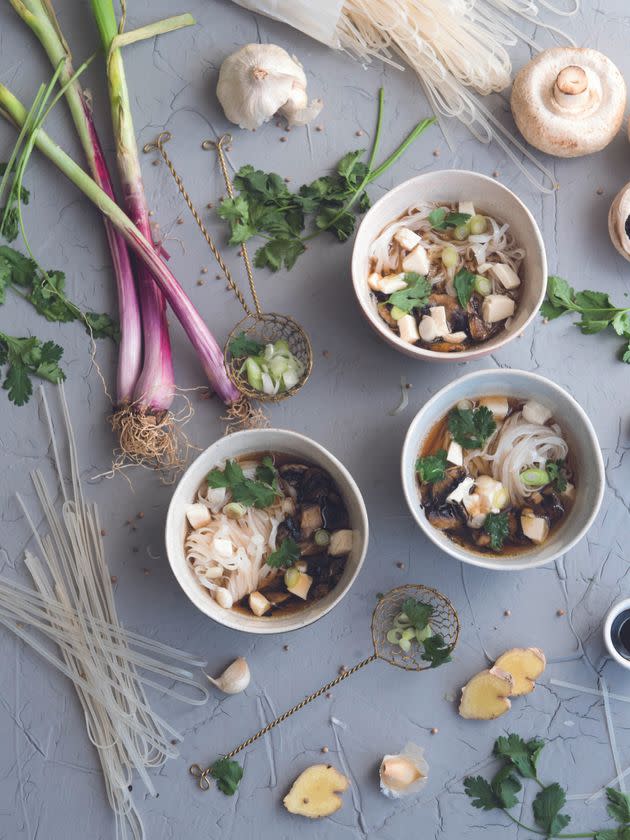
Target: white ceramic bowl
point(580, 436)
point(615, 610)
point(491, 197)
point(250, 442)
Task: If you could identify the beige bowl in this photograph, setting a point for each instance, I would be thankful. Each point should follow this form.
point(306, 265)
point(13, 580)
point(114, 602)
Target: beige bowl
point(251, 442)
point(491, 197)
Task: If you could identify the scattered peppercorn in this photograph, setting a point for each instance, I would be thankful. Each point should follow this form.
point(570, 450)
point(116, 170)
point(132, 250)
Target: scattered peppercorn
point(507, 613)
point(435, 730)
point(114, 579)
point(324, 749)
point(283, 139)
point(560, 613)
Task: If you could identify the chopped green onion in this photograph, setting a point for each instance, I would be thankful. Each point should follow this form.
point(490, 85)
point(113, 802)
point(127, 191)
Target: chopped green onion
point(534, 477)
point(424, 634)
point(254, 373)
point(291, 577)
point(478, 224)
point(409, 634)
point(393, 637)
point(462, 232)
point(397, 313)
point(322, 537)
point(405, 645)
point(450, 257)
point(234, 510)
point(482, 286)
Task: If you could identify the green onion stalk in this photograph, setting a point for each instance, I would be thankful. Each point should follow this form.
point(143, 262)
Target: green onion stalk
point(40, 17)
point(204, 343)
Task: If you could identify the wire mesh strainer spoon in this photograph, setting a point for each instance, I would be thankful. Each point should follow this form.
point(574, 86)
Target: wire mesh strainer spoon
point(443, 621)
point(263, 327)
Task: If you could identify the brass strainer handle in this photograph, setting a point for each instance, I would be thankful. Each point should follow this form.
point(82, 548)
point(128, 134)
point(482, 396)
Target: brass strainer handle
point(204, 775)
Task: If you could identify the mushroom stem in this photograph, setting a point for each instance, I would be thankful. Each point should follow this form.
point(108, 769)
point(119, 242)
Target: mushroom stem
point(571, 88)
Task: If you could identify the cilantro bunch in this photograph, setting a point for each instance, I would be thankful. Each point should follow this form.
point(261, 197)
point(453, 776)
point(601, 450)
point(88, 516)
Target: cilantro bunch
point(266, 208)
point(258, 492)
point(519, 760)
point(596, 311)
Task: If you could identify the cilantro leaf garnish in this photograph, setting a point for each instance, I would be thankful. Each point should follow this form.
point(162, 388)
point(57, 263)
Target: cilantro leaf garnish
point(28, 357)
point(497, 527)
point(523, 755)
point(285, 555)
point(436, 651)
point(431, 468)
point(227, 774)
point(441, 219)
point(415, 296)
point(471, 428)
point(248, 491)
point(556, 470)
point(418, 613)
point(618, 805)
point(464, 283)
point(243, 345)
point(481, 792)
point(546, 808)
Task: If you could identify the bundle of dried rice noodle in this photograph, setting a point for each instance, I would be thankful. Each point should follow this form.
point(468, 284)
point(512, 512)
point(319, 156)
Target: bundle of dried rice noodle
point(458, 48)
point(72, 605)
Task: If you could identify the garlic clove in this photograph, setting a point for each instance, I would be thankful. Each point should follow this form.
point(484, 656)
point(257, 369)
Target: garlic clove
point(260, 80)
point(404, 774)
point(234, 679)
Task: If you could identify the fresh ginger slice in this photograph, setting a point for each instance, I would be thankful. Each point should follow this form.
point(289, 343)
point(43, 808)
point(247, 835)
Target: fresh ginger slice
point(525, 665)
point(314, 792)
point(485, 697)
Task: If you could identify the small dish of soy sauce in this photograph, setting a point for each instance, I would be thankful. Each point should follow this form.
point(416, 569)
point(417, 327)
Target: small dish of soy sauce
point(617, 632)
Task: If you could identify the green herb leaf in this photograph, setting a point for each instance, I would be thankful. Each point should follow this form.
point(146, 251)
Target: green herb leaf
point(9, 218)
point(432, 468)
point(471, 428)
point(613, 834)
point(505, 785)
point(25, 358)
point(415, 296)
point(285, 555)
point(546, 807)
point(101, 325)
point(242, 346)
point(418, 613)
point(523, 755)
point(247, 491)
point(228, 775)
point(618, 805)
point(279, 251)
point(266, 471)
point(556, 470)
point(436, 651)
point(440, 219)
point(497, 527)
point(481, 793)
point(464, 283)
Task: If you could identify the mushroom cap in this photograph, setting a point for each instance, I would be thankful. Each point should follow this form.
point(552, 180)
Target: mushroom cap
point(619, 222)
point(569, 101)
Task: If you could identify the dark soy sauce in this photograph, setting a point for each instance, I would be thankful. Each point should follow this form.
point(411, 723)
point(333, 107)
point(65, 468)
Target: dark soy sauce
point(620, 633)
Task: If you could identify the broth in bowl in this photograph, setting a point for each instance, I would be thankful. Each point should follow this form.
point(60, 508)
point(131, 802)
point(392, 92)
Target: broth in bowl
point(496, 475)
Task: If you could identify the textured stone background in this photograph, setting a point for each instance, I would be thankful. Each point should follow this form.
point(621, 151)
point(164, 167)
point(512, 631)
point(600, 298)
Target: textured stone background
point(50, 783)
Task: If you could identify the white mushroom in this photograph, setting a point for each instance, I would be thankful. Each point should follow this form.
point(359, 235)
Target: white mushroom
point(569, 102)
point(455, 338)
point(428, 329)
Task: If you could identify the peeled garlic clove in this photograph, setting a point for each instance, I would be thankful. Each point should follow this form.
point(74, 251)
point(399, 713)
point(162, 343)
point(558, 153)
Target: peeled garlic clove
point(404, 774)
point(234, 679)
point(260, 80)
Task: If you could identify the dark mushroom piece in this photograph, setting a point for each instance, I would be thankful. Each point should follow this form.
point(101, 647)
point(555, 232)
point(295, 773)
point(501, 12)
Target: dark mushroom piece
point(311, 520)
point(552, 507)
point(445, 518)
point(292, 476)
point(289, 528)
point(440, 489)
point(316, 486)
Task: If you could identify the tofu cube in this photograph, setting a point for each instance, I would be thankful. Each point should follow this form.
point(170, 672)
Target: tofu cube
point(455, 454)
point(497, 405)
point(505, 275)
point(535, 412)
point(374, 281)
point(340, 542)
point(497, 308)
point(417, 260)
point(407, 239)
point(428, 329)
point(302, 586)
point(392, 283)
point(462, 490)
point(467, 207)
point(258, 604)
point(408, 329)
point(438, 313)
point(534, 527)
point(198, 515)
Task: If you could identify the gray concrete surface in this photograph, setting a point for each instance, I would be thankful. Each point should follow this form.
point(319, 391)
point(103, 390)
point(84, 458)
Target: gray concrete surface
point(50, 783)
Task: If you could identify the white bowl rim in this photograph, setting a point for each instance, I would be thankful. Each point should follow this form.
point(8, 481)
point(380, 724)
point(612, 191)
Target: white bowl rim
point(422, 352)
point(267, 628)
point(471, 557)
point(611, 615)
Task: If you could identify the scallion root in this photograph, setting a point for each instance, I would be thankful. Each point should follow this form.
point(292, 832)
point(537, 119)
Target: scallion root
point(242, 415)
point(155, 441)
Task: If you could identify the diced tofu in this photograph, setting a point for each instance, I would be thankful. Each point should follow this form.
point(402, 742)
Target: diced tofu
point(476, 517)
point(392, 283)
point(462, 490)
point(428, 329)
point(455, 454)
point(493, 496)
point(568, 492)
point(302, 586)
point(198, 515)
point(535, 412)
point(258, 604)
point(408, 329)
point(505, 275)
point(340, 542)
point(407, 239)
point(438, 313)
point(223, 548)
point(311, 520)
point(497, 405)
point(467, 207)
point(374, 281)
point(535, 528)
point(417, 260)
point(455, 338)
point(497, 308)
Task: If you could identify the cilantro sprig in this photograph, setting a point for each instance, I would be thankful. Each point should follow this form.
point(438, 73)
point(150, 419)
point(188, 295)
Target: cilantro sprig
point(415, 296)
point(285, 555)
point(418, 615)
point(519, 760)
point(227, 775)
point(432, 468)
point(265, 207)
point(441, 218)
point(497, 527)
point(557, 472)
point(471, 427)
point(242, 345)
point(258, 492)
point(26, 358)
point(464, 283)
point(597, 312)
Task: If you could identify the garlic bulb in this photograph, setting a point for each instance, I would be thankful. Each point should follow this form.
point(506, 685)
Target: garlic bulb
point(404, 774)
point(261, 80)
point(234, 679)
